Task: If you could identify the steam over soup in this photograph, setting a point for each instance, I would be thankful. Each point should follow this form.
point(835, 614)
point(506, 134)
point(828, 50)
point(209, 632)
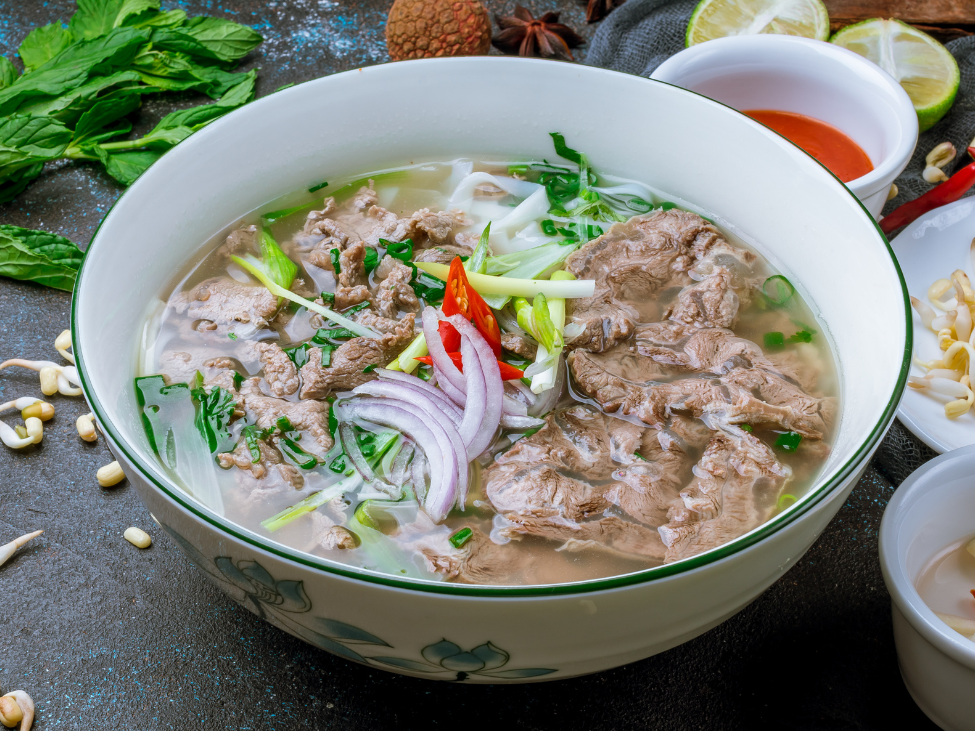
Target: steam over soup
point(491, 373)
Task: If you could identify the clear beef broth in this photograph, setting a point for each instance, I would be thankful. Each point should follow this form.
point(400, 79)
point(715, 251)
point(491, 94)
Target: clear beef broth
point(399, 540)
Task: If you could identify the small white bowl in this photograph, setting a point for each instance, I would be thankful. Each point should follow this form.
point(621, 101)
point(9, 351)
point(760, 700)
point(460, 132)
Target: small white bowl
point(820, 80)
point(933, 508)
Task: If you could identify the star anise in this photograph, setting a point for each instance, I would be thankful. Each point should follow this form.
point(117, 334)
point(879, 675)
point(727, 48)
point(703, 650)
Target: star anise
point(528, 36)
point(599, 9)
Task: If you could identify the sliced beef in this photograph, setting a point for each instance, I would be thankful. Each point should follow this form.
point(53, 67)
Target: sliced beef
point(478, 561)
point(348, 361)
point(328, 535)
point(611, 534)
point(575, 439)
point(279, 372)
point(240, 241)
point(742, 396)
point(271, 459)
point(308, 417)
point(712, 302)
point(632, 263)
point(520, 489)
point(443, 254)
point(351, 284)
point(697, 350)
point(519, 345)
point(648, 485)
point(428, 229)
point(225, 301)
point(394, 292)
point(736, 486)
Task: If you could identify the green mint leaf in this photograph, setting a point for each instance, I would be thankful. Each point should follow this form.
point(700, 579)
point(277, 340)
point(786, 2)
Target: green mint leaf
point(125, 167)
point(8, 72)
point(42, 44)
point(38, 256)
point(154, 19)
point(105, 112)
point(227, 40)
point(25, 140)
point(179, 41)
point(134, 8)
point(72, 67)
point(12, 183)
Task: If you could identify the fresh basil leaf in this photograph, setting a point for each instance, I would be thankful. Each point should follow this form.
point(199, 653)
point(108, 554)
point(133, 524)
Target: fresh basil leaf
point(26, 139)
point(227, 40)
point(125, 167)
point(72, 67)
point(154, 19)
point(177, 72)
point(94, 18)
point(132, 8)
point(68, 107)
point(180, 42)
point(38, 256)
point(8, 72)
point(42, 44)
point(123, 128)
point(197, 117)
point(11, 183)
point(105, 112)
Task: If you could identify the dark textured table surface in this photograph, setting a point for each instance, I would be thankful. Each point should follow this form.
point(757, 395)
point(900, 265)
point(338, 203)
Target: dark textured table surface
point(105, 636)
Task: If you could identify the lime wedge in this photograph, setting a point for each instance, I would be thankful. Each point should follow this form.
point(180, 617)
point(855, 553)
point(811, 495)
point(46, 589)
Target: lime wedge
point(925, 68)
point(719, 18)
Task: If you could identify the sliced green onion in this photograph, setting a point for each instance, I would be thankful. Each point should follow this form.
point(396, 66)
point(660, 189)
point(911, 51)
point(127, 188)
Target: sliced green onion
point(328, 314)
point(328, 298)
point(803, 336)
point(298, 354)
point(478, 260)
point(402, 250)
point(278, 215)
point(747, 427)
point(774, 340)
point(789, 441)
point(252, 435)
point(327, 351)
point(369, 369)
point(334, 255)
point(548, 227)
point(313, 188)
point(637, 454)
point(778, 289)
point(280, 269)
point(486, 284)
point(786, 500)
point(238, 379)
point(298, 455)
point(371, 260)
point(461, 537)
point(310, 503)
point(232, 336)
point(406, 361)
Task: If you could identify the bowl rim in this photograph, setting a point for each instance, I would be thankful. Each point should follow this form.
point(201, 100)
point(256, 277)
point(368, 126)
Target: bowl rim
point(813, 498)
point(906, 118)
point(903, 593)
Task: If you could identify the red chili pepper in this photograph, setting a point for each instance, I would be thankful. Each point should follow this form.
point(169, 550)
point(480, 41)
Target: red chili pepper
point(449, 336)
point(948, 192)
point(460, 298)
point(508, 372)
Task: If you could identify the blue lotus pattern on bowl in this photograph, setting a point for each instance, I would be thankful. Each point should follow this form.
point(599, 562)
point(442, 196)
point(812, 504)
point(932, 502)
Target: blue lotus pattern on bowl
point(281, 602)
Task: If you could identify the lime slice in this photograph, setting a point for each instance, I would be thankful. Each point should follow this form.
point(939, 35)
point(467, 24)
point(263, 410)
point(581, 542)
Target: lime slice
point(925, 68)
point(719, 18)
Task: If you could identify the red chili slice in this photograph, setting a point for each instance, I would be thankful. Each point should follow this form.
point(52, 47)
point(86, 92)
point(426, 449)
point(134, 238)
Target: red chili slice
point(508, 372)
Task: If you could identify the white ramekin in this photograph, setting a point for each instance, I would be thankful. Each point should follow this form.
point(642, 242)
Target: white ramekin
point(809, 77)
point(933, 508)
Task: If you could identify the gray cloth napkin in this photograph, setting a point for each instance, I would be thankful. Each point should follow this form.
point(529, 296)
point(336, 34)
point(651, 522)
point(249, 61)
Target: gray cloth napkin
point(641, 34)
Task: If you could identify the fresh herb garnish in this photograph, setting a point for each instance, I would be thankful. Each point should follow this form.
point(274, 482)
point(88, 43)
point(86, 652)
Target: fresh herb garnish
point(216, 409)
point(252, 435)
point(778, 289)
point(338, 465)
point(331, 336)
point(355, 308)
point(369, 369)
point(232, 336)
point(774, 340)
point(747, 427)
point(788, 441)
point(461, 537)
point(279, 268)
point(637, 454)
point(328, 298)
point(334, 254)
point(238, 380)
point(327, 351)
point(278, 215)
point(371, 260)
point(298, 354)
point(296, 454)
point(313, 188)
point(38, 256)
point(402, 250)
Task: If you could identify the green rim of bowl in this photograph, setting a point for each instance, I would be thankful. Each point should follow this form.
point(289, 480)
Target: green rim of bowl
point(154, 477)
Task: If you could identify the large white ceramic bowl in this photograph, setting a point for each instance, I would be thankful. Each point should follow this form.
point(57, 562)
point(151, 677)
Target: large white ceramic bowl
point(818, 79)
point(932, 509)
point(808, 224)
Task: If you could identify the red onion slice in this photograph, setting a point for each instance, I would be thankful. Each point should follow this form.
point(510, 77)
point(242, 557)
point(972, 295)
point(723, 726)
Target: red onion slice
point(493, 387)
point(508, 421)
point(455, 395)
point(431, 331)
point(430, 437)
point(419, 476)
point(418, 383)
point(437, 408)
point(397, 472)
point(513, 406)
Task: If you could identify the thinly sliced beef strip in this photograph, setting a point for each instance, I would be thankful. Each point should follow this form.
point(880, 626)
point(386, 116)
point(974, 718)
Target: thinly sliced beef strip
point(478, 561)
point(310, 417)
point(742, 396)
point(519, 345)
point(279, 371)
point(736, 487)
point(632, 263)
point(443, 254)
point(271, 459)
point(393, 292)
point(349, 360)
point(226, 301)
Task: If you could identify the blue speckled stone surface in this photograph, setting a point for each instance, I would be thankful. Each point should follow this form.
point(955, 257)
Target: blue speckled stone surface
point(105, 636)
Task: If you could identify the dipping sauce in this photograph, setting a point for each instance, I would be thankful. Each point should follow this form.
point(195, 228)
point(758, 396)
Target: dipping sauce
point(946, 583)
point(833, 148)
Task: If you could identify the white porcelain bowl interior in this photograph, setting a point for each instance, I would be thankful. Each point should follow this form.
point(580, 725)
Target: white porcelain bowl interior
point(814, 78)
point(932, 509)
point(806, 223)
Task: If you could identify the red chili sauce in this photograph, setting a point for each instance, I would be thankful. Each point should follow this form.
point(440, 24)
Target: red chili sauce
point(833, 148)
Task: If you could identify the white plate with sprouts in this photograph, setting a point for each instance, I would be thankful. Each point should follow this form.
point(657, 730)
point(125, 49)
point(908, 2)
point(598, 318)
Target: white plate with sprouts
point(935, 254)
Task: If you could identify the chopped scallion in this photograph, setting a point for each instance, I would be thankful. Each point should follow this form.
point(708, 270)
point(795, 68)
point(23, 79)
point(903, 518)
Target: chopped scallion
point(774, 340)
point(336, 264)
point(313, 188)
point(461, 537)
point(778, 289)
point(788, 441)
